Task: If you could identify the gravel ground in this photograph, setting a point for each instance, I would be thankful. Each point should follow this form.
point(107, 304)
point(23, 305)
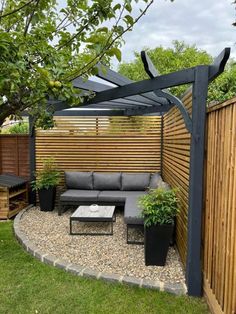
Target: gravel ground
point(110, 254)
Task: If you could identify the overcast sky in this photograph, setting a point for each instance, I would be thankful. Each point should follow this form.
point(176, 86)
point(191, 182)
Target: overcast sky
point(206, 23)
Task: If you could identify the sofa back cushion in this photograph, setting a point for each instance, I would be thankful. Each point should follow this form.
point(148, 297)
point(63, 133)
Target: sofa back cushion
point(107, 181)
point(155, 181)
point(79, 180)
point(135, 181)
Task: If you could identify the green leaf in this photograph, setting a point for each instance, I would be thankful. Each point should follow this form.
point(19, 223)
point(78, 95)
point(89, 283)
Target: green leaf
point(129, 20)
point(102, 30)
point(115, 52)
point(128, 7)
point(117, 7)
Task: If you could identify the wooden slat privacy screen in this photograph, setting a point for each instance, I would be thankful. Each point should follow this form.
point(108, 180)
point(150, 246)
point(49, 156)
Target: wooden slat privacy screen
point(176, 165)
point(14, 155)
point(105, 144)
point(219, 236)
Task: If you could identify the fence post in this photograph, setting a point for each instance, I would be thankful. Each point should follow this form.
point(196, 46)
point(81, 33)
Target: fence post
point(32, 194)
point(0, 154)
point(194, 260)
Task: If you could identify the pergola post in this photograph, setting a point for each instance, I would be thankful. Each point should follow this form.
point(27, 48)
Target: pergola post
point(194, 263)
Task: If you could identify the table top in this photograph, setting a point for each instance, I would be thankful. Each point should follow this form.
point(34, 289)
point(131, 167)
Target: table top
point(103, 212)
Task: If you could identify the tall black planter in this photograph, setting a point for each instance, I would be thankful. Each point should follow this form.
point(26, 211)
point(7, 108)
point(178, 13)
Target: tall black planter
point(47, 199)
point(156, 243)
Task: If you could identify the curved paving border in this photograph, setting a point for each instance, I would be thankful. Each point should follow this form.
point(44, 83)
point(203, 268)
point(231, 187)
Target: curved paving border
point(178, 288)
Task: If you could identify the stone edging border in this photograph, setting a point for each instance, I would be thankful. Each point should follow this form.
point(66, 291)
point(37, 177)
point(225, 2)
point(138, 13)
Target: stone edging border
point(178, 288)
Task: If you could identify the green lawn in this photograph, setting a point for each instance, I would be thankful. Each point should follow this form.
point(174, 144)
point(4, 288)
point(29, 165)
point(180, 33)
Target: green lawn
point(28, 286)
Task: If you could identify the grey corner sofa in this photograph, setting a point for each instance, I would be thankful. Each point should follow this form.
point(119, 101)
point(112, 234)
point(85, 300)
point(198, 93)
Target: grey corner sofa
point(86, 188)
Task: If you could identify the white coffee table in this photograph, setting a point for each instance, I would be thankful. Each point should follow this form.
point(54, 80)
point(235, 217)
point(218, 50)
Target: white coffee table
point(85, 214)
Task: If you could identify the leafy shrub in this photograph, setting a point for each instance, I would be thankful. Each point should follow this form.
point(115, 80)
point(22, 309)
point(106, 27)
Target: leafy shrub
point(19, 128)
point(159, 206)
point(48, 176)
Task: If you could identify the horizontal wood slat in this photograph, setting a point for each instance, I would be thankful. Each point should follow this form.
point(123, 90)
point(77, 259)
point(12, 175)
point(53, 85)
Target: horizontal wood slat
point(176, 165)
point(14, 155)
point(106, 144)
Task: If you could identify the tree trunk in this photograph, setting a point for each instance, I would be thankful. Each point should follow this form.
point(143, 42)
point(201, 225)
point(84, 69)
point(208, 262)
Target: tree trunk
point(1, 122)
point(8, 109)
point(3, 115)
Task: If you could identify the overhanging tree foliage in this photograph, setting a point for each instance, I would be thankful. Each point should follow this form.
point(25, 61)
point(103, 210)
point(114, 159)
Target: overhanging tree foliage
point(43, 47)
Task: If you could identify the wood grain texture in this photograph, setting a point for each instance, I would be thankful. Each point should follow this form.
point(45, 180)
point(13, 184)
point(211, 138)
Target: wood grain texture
point(105, 144)
point(14, 155)
point(176, 165)
point(219, 234)
point(12, 201)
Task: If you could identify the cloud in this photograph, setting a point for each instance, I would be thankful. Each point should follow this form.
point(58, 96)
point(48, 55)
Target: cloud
point(206, 23)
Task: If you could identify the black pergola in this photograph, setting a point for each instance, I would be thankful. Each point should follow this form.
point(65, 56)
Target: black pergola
point(151, 96)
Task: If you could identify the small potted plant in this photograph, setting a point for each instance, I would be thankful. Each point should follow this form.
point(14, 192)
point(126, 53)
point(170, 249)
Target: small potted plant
point(45, 183)
point(159, 209)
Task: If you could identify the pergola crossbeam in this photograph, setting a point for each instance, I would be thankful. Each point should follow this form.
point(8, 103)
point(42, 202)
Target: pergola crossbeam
point(138, 112)
point(105, 112)
point(164, 81)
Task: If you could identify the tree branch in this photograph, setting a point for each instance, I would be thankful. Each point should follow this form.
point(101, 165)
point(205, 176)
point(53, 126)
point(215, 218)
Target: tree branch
point(16, 10)
point(99, 56)
point(28, 21)
point(78, 33)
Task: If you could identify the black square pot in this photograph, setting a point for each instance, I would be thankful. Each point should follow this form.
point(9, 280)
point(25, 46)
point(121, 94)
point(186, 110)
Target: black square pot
point(47, 198)
point(156, 243)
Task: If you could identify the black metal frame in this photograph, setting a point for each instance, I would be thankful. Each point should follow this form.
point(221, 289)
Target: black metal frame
point(93, 219)
point(148, 97)
point(133, 226)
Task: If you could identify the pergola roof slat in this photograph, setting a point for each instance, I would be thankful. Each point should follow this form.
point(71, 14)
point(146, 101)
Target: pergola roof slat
point(97, 87)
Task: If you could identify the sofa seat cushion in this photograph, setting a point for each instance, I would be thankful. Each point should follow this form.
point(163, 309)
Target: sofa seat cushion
point(117, 196)
point(135, 181)
point(107, 181)
point(79, 195)
point(132, 212)
point(79, 180)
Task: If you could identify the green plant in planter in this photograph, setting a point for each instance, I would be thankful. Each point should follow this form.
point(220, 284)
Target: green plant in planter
point(159, 206)
point(45, 183)
point(47, 177)
point(159, 209)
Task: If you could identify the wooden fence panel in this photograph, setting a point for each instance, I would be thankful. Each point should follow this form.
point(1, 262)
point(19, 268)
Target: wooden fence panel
point(176, 166)
point(14, 155)
point(219, 236)
point(106, 144)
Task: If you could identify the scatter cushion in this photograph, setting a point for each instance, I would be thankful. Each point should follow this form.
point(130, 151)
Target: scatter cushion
point(155, 181)
point(79, 180)
point(79, 196)
point(107, 181)
point(135, 181)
